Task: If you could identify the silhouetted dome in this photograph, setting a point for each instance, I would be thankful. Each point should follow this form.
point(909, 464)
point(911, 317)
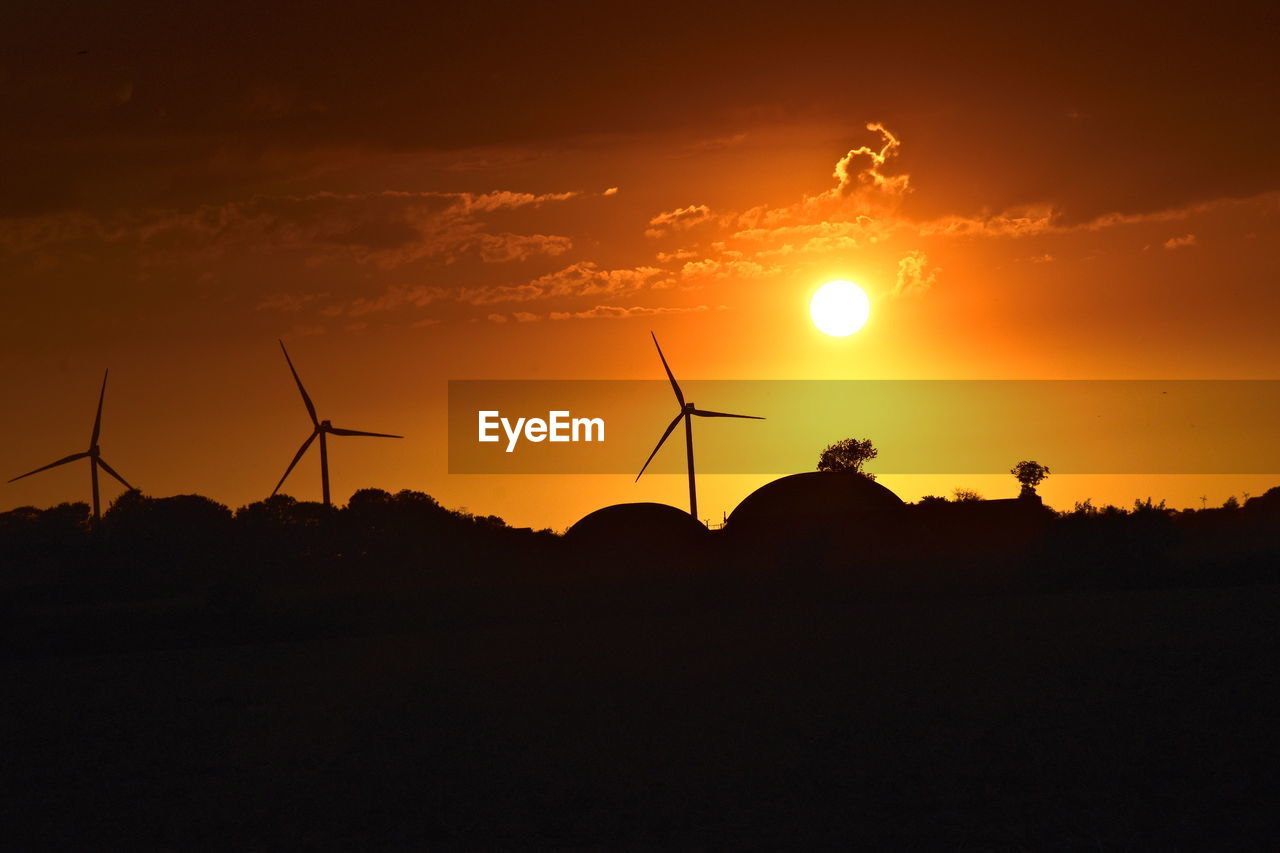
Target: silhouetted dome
point(817, 499)
point(636, 525)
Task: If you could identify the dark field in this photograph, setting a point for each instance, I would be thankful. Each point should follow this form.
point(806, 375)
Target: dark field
point(1116, 720)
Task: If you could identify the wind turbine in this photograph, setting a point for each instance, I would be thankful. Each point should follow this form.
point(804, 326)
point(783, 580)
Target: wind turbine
point(322, 429)
point(93, 454)
point(687, 412)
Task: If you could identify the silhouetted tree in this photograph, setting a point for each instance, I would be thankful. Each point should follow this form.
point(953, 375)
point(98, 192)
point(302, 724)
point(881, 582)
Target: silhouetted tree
point(1267, 503)
point(181, 540)
point(1082, 509)
point(408, 525)
point(1030, 474)
point(43, 545)
point(848, 455)
point(1149, 506)
point(962, 495)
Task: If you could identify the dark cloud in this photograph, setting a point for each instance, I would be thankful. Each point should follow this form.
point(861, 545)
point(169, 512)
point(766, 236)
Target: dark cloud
point(387, 229)
point(1091, 107)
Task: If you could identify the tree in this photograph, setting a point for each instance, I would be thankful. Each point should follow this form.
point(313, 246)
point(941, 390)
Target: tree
point(963, 495)
point(848, 455)
point(1030, 474)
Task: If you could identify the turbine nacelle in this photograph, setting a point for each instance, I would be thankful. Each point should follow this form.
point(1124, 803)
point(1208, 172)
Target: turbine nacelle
point(93, 454)
point(687, 413)
point(321, 428)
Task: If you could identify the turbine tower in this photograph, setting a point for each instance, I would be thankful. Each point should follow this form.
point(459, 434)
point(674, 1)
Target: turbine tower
point(93, 454)
point(687, 413)
point(323, 429)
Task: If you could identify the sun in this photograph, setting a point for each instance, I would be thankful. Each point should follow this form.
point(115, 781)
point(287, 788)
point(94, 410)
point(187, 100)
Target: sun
point(839, 308)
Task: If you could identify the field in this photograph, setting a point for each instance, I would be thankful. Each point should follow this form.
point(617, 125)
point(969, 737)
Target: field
point(1105, 721)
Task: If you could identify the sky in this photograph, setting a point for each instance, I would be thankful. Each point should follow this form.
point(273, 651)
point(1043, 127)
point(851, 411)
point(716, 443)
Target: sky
point(409, 193)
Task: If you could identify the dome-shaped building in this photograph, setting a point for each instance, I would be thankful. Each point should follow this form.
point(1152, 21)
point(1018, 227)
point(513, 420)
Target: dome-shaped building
point(828, 502)
point(636, 527)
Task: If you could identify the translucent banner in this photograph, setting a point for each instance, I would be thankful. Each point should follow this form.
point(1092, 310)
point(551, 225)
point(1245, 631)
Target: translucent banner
point(918, 426)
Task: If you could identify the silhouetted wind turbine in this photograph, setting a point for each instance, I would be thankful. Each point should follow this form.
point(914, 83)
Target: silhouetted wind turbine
point(322, 429)
point(93, 454)
point(687, 411)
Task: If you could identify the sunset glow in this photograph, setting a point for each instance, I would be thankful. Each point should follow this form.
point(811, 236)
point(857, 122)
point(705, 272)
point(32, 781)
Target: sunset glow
point(452, 228)
point(664, 425)
point(839, 308)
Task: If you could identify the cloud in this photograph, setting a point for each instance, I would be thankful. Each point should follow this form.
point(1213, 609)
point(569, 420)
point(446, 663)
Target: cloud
point(680, 219)
point(717, 143)
point(611, 312)
point(576, 280)
point(734, 267)
point(915, 278)
point(288, 302)
point(601, 312)
point(1022, 222)
point(502, 248)
point(1185, 241)
point(580, 279)
point(386, 229)
point(305, 330)
point(1032, 220)
point(817, 237)
point(858, 192)
point(847, 178)
point(394, 297)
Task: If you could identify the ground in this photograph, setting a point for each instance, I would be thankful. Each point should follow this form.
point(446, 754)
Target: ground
point(1135, 720)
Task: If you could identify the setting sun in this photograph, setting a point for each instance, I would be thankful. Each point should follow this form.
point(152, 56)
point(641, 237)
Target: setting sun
point(839, 308)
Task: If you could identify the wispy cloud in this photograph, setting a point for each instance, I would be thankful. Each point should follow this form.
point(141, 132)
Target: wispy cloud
point(915, 276)
point(385, 229)
point(732, 266)
point(600, 312)
point(612, 312)
point(394, 297)
point(862, 188)
point(288, 302)
point(680, 219)
point(580, 279)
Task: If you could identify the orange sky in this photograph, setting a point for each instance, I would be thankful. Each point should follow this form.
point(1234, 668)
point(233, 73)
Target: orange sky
point(409, 196)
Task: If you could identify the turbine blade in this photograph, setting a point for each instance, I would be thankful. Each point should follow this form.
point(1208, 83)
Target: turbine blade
point(63, 461)
point(674, 385)
point(338, 431)
point(296, 457)
point(706, 414)
point(97, 421)
point(670, 427)
point(311, 409)
point(112, 472)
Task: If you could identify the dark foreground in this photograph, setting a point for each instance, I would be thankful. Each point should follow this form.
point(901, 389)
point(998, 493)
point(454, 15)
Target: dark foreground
point(1107, 721)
